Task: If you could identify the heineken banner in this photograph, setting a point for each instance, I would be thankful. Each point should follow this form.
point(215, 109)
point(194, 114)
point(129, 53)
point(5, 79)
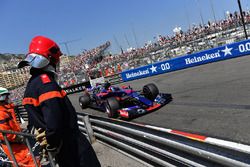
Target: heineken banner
point(216, 54)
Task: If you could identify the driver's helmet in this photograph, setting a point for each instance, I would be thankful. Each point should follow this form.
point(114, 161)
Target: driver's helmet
point(112, 88)
point(4, 94)
point(106, 85)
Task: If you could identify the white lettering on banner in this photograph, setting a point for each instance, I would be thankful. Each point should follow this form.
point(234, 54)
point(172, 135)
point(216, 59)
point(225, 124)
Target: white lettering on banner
point(165, 66)
point(202, 58)
point(136, 74)
point(244, 47)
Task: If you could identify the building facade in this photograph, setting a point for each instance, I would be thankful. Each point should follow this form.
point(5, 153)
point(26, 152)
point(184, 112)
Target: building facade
point(14, 78)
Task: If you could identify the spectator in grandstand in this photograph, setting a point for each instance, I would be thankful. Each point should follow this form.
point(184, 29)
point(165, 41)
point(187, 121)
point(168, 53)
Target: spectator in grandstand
point(8, 121)
point(50, 110)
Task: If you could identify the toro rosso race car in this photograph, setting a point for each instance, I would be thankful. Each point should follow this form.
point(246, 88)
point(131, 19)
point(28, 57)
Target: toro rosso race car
point(123, 101)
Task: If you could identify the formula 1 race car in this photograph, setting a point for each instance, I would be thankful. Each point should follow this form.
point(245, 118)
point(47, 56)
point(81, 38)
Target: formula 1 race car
point(123, 101)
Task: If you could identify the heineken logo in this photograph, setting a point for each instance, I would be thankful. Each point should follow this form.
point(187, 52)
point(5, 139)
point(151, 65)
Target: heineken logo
point(137, 73)
point(205, 57)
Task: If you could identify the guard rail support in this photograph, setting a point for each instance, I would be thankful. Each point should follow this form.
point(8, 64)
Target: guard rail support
point(9, 148)
point(89, 129)
point(30, 149)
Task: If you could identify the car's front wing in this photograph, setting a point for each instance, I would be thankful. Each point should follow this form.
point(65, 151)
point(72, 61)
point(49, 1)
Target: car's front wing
point(131, 112)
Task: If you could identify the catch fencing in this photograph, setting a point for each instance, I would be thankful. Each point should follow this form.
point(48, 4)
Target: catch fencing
point(159, 147)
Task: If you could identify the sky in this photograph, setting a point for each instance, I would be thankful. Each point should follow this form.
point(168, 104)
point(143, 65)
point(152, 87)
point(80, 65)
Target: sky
point(86, 24)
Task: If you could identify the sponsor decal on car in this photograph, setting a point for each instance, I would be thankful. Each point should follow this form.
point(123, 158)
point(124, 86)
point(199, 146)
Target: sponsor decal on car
point(123, 113)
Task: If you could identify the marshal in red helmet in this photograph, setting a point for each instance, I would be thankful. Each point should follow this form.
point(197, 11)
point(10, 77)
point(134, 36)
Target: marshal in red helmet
point(42, 52)
point(50, 110)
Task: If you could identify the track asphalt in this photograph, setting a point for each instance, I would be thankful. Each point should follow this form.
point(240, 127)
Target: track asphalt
point(211, 100)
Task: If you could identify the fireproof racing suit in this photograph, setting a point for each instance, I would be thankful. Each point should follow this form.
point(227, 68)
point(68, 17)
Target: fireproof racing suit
point(49, 108)
point(8, 122)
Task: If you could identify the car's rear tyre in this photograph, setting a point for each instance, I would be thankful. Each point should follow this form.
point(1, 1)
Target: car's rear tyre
point(84, 100)
point(111, 107)
point(150, 91)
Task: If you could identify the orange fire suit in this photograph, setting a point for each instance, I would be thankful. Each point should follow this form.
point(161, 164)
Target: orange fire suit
point(8, 122)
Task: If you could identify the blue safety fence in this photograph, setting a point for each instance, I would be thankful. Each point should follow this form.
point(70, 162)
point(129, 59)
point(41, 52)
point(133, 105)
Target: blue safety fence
point(208, 56)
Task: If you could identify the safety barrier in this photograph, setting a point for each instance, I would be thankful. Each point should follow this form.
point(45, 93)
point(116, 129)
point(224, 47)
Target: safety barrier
point(69, 90)
point(159, 147)
point(77, 88)
point(114, 79)
point(216, 54)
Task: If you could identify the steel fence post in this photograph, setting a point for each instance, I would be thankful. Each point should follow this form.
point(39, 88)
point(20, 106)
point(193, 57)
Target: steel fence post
point(51, 159)
point(10, 150)
point(89, 129)
point(31, 152)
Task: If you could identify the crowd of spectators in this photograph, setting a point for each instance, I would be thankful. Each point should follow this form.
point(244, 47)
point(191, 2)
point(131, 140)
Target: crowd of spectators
point(232, 20)
point(96, 62)
point(140, 56)
point(81, 65)
point(17, 94)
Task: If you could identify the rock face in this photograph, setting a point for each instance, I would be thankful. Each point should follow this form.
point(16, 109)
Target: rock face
point(9, 61)
point(6, 57)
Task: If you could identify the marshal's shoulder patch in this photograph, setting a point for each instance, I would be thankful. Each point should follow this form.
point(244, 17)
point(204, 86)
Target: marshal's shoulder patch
point(45, 78)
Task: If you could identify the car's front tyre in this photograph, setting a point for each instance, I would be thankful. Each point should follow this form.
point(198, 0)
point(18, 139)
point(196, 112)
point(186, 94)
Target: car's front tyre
point(111, 107)
point(84, 100)
point(150, 91)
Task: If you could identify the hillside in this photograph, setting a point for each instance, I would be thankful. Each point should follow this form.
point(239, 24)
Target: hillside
point(7, 57)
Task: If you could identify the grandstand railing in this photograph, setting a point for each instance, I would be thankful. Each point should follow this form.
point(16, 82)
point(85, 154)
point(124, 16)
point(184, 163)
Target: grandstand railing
point(159, 147)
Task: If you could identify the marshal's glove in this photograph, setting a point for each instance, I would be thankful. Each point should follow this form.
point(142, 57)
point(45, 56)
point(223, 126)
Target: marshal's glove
point(41, 137)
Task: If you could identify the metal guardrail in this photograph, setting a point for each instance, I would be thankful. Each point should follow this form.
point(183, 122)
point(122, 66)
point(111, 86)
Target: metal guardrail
point(159, 148)
point(113, 79)
point(69, 90)
point(77, 88)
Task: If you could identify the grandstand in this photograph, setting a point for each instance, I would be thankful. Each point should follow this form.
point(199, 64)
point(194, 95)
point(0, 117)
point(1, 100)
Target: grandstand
point(198, 38)
point(77, 69)
point(97, 62)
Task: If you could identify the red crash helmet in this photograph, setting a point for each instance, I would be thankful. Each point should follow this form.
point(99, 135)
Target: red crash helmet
point(42, 51)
